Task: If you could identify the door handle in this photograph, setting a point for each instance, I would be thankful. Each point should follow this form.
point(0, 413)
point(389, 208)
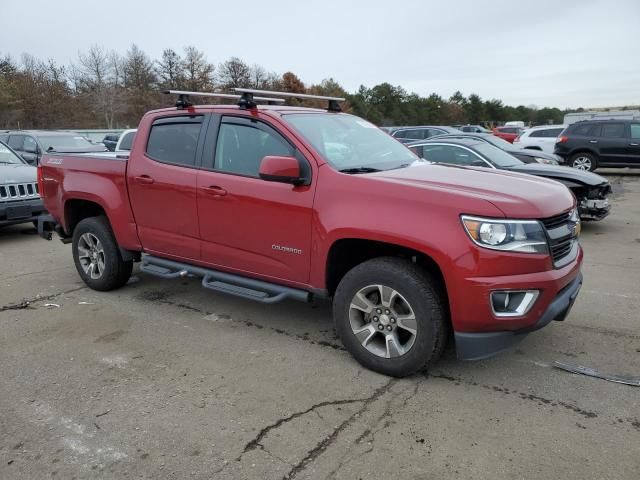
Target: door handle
point(634, 144)
point(593, 141)
point(215, 190)
point(143, 179)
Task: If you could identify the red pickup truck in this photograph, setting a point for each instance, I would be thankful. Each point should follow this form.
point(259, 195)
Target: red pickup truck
point(277, 202)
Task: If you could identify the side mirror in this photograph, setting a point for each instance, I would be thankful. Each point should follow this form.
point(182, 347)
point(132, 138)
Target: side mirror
point(281, 169)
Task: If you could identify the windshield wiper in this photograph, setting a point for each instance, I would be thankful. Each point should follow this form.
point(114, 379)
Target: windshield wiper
point(360, 170)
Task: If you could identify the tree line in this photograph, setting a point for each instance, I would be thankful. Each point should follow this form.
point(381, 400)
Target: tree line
point(104, 89)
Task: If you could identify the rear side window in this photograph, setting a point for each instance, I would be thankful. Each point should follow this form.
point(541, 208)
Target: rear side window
point(635, 130)
point(242, 146)
point(613, 130)
point(175, 140)
point(582, 129)
point(400, 134)
point(16, 142)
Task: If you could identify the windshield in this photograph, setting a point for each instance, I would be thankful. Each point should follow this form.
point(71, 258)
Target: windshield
point(127, 140)
point(7, 156)
point(64, 141)
point(497, 156)
point(349, 142)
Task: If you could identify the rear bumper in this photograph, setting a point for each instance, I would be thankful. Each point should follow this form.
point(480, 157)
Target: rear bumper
point(20, 211)
point(476, 346)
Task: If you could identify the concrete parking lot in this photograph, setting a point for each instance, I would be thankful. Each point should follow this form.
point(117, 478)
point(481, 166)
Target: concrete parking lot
point(163, 379)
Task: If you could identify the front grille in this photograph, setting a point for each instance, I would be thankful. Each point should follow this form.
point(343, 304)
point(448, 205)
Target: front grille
point(19, 191)
point(561, 232)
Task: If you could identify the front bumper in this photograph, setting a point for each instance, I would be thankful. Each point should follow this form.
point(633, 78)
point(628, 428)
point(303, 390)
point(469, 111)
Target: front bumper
point(594, 209)
point(20, 211)
point(476, 346)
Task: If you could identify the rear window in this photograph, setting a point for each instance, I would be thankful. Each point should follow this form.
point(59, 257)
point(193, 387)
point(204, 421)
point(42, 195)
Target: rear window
point(175, 140)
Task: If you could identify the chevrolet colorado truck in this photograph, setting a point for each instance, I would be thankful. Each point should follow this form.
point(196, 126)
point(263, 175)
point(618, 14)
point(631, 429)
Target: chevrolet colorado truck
point(277, 202)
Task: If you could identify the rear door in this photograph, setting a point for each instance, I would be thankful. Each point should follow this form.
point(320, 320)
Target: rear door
point(162, 186)
point(612, 143)
point(248, 224)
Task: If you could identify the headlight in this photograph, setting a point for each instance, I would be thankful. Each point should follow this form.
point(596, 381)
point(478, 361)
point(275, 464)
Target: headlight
point(526, 236)
point(545, 161)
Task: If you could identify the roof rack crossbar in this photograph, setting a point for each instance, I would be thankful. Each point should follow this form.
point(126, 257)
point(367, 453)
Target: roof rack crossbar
point(333, 101)
point(183, 101)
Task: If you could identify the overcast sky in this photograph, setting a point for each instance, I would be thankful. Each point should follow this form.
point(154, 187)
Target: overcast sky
point(567, 53)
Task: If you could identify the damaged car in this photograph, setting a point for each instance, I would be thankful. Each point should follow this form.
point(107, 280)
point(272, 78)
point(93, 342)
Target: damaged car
point(591, 190)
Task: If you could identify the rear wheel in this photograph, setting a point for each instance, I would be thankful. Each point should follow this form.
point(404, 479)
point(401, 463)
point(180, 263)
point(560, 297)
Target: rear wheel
point(584, 161)
point(390, 316)
point(97, 256)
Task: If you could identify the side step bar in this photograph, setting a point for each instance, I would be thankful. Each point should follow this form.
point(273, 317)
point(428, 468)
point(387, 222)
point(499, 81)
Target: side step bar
point(223, 282)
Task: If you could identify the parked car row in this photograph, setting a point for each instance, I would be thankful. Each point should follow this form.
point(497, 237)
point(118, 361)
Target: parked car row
point(32, 144)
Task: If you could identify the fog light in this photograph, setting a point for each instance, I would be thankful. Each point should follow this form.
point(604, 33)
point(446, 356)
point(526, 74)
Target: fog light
point(512, 303)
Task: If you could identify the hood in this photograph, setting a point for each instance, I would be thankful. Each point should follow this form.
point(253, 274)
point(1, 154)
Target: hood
point(87, 149)
point(17, 173)
point(516, 195)
point(562, 174)
point(529, 152)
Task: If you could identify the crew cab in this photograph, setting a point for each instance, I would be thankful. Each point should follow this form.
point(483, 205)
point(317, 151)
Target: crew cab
point(277, 202)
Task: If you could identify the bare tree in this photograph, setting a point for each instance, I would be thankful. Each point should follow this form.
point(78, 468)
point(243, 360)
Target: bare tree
point(197, 71)
point(170, 69)
point(140, 84)
point(234, 73)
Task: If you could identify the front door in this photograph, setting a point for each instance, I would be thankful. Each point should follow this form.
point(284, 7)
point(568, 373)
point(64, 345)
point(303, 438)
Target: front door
point(162, 186)
point(248, 224)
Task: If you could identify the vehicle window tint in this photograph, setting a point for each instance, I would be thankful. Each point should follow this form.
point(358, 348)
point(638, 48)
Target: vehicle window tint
point(241, 148)
point(613, 130)
point(449, 154)
point(635, 130)
point(594, 130)
point(16, 142)
point(30, 145)
point(174, 140)
point(400, 134)
point(432, 132)
point(581, 129)
point(553, 132)
point(127, 140)
point(537, 134)
point(417, 150)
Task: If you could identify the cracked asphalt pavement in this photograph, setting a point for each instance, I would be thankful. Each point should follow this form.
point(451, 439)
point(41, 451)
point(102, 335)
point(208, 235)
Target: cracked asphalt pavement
point(165, 380)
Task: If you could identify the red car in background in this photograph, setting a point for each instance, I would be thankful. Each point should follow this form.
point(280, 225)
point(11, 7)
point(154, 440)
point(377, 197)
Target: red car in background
point(507, 133)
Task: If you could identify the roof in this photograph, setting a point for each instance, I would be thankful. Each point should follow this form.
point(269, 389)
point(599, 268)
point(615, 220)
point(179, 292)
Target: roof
point(42, 132)
point(280, 109)
point(542, 127)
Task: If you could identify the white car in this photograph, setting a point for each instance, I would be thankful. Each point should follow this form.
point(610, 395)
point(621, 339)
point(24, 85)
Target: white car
point(539, 138)
point(125, 140)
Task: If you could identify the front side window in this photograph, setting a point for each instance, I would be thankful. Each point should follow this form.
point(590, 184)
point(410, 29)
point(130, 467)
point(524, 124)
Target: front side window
point(613, 130)
point(347, 141)
point(175, 140)
point(635, 130)
point(241, 147)
point(30, 145)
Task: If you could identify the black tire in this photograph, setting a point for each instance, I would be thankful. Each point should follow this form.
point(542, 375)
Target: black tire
point(423, 294)
point(116, 271)
point(577, 160)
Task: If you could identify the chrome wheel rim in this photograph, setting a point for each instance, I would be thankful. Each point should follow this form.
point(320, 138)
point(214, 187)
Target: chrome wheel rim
point(91, 255)
point(383, 321)
point(582, 163)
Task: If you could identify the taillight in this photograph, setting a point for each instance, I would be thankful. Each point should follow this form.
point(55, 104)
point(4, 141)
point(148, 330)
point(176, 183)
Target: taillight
point(562, 139)
point(40, 181)
point(517, 139)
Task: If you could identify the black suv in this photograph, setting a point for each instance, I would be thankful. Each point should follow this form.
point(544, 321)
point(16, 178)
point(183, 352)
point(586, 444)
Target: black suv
point(600, 143)
point(412, 134)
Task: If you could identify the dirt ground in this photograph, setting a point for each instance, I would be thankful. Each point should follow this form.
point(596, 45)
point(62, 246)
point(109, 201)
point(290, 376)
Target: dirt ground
point(165, 380)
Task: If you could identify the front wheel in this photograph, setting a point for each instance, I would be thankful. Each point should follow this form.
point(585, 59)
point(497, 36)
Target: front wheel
point(390, 316)
point(97, 256)
point(584, 161)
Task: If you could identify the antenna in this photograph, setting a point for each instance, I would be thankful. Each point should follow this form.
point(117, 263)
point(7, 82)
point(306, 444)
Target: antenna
point(243, 101)
point(334, 102)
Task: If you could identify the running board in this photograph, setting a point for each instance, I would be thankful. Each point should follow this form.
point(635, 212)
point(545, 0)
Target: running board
point(249, 288)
